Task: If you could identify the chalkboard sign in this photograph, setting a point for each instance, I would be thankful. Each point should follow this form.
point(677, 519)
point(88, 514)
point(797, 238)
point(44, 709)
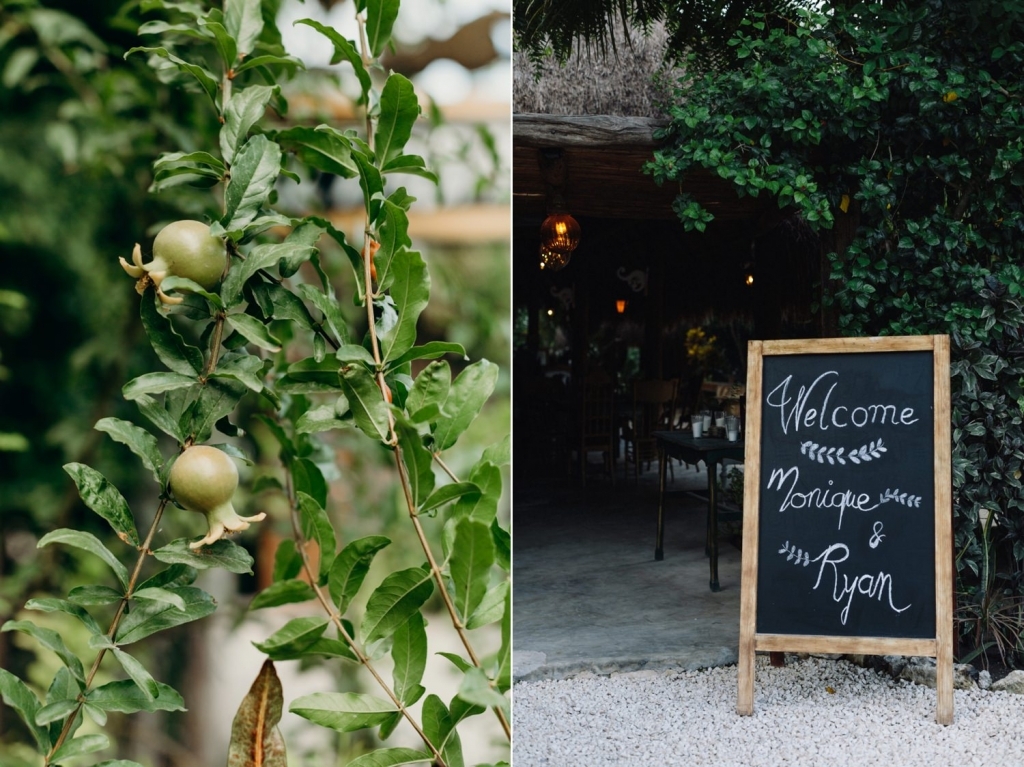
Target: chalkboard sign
point(847, 512)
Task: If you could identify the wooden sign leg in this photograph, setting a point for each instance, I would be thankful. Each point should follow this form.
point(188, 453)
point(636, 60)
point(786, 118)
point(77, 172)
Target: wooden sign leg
point(745, 676)
point(944, 682)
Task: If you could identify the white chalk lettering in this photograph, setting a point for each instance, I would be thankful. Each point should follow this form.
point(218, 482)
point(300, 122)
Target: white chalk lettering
point(818, 497)
point(871, 586)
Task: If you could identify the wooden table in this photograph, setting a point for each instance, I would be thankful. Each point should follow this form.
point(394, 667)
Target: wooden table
point(711, 450)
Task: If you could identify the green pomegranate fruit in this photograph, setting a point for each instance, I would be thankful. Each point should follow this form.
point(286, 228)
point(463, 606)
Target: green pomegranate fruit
point(187, 249)
point(204, 479)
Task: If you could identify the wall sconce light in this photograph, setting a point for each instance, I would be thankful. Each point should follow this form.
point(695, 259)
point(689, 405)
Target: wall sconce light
point(553, 260)
point(620, 305)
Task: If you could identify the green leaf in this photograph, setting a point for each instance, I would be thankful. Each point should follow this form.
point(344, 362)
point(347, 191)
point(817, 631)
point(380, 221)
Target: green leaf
point(289, 63)
point(244, 369)
point(150, 617)
point(310, 480)
point(94, 595)
point(138, 440)
point(399, 109)
point(350, 353)
point(465, 399)
point(502, 546)
point(264, 256)
point(394, 236)
point(52, 604)
point(292, 639)
point(216, 400)
point(203, 76)
point(448, 493)
point(283, 593)
point(85, 744)
point(429, 351)
point(380, 18)
point(19, 697)
point(476, 688)
point(155, 383)
point(410, 292)
point(342, 711)
point(254, 729)
point(225, 554)
point(440, 731)
point(103, 498)
point(58, 709)
point(281, 304)
point(184, 285)
point(483, 508)
point(243, 20)
point(431, 387)
point(318, 419)
point(159, 417)
point(500, 453)
point(168, 344)
point(324, 148)
point(118, 763)
point(226, 45)
point(418, 461)
point(51, 640)
point(371, 182)
point(157, 594)
point(504, 676)
point(125, 697)
point(409, 652)
point(491, 607)
point(89, 542)
point(328, 306)
point(391, 757)
point(255, 331)
point(392, 603)
point(368, 406)
point(350, 568)
point(412, 164)
point(175, 575)
point(138, 673)
point(470, 566)
point(256, 166)
point(317, 526)
point(287, 561)
point(344, 50)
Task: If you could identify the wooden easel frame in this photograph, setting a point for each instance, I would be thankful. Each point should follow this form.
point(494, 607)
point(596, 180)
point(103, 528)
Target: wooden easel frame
point(941, 646)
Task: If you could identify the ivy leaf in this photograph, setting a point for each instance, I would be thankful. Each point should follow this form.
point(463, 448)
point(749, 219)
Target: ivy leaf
point(399, 109)
point(392, 603)
point(342, 711)
point(88, 542)
point(369, 409)
point(51, 640)
point(409, 653)
point(224, 554)
point(283, 593)
point(292, 639)
point(19, 697)
point(468, 393)
point(350, 568)
point(243, 20)
point(256, 740)
point(410, 291)
point(324, 148)
point(470, 566)
point(124, 696)
point(391, 757)
point(203, 76)
point(380, 18)
point(138, 440)
point(418, 461)
point(168, 344)
point(253, 174)
point(150, 617)
point(102, 497)
point(344, 50)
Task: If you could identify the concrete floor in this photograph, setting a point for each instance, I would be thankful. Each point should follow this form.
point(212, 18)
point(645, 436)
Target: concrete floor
point(588, 595)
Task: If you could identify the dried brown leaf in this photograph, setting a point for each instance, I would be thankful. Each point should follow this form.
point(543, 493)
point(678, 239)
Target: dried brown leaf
point(255, 739)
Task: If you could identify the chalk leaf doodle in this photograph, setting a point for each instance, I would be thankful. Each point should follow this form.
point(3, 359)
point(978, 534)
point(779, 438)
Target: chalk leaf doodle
point(800, 556)
point(823, 453)
point(905, 499)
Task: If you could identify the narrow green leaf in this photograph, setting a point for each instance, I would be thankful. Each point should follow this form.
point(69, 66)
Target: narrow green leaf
point(102, 497)
point(318, 419)
point(58, 709)
point(350, 568)
point(412, 164)
point(504, 676)
point(19, 697)
point(440, 731)
point(392, 603)
point(418, 461)
point(429, 351)
point(255, 738)
point(289, 63)
point(470, 565)
point(491, 607)
point(225, 554)
point(371, 182)
point(502, 546)
point(380, 18)
point(344, 50)
point(138, 673)
point(243, 20)
point(159, 417)
point(351, 353)
point(410, 292)
point(476, 688)
point(500, 453)
point(282, 593)
point(342, 711)
point(448, 493)
point(51, 640)
point(483, 508)
point(368, 406)
point(394, 236)
point(88, 542)
point(168, 344)
point(203, 76)
point(149, 617)
point(328, 306)
point(287, 561)
point(468, 393)
point(399, 109)
point(216, 400)
point(52, 604)
point(118, 763)
point(94, 595)
point(391, 757)
point(293, 638)
point(175, 575)
point(430, 388)
point(245, 369)
point(254, 331)
point(226, 46)
point(324, 148)
point(156, 383)
point(281, 304)
point(409, 653)
point(310, 480)
point(266, 256)
point(138, 440)
point(157, 594)
point(184, 285)
point(85, 744)
point(317, 526)
point(125, 697)
point(256, 167)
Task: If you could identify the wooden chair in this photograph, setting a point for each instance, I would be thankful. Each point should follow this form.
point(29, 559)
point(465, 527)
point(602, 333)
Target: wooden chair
point(653, 406)
point(597, 424)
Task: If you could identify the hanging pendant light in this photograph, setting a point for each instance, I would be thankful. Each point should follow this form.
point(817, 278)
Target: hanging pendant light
point(560, 231)
point(553, 260)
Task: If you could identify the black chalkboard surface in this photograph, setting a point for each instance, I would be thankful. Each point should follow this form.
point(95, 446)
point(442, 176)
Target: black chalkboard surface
point(847, 503)
point(847, 534)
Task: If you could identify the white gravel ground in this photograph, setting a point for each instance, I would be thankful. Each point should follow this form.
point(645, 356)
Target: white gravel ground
point(650, 719)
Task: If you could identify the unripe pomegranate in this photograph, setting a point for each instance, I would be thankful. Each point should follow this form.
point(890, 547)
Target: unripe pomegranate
point(203, 479)
point(181, 249)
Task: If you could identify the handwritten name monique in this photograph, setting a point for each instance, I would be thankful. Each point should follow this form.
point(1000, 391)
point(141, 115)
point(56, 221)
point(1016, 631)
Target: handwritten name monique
point(794, 411)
